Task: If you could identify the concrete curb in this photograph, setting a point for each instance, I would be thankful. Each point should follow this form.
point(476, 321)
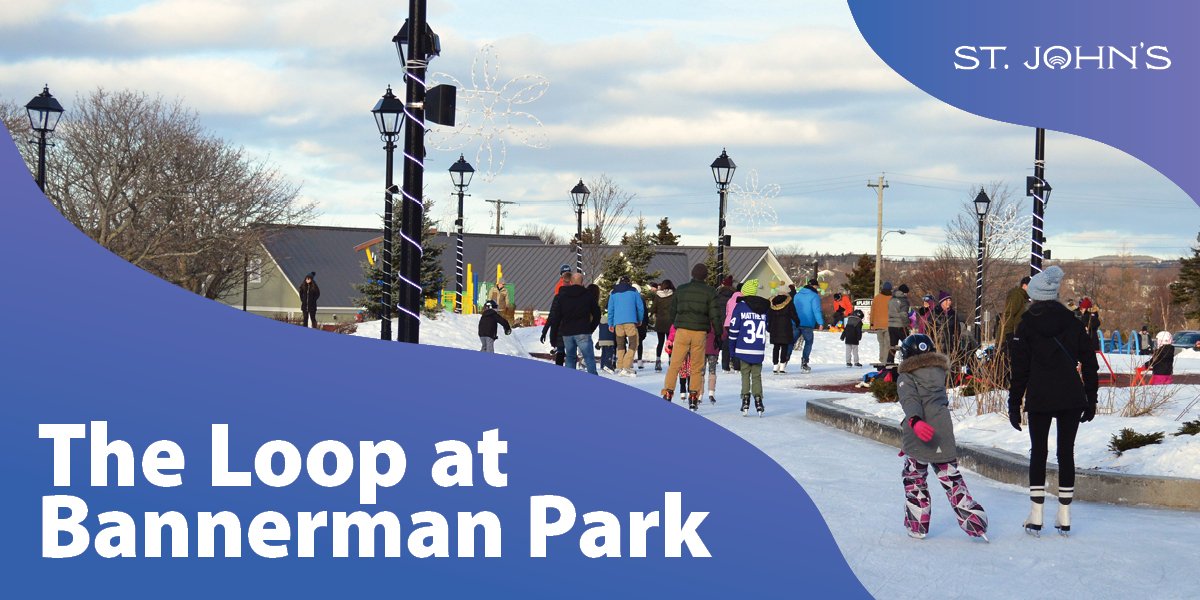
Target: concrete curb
point(1096, 486)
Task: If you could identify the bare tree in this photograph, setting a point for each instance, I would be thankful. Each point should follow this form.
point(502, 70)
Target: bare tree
point(1006, 245)
point(144, 179)
point(608, 210)
point(544, 232)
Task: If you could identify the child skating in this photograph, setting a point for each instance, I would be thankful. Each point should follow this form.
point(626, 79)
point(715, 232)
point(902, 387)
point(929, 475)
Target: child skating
point(927, 436)
point(748, 337)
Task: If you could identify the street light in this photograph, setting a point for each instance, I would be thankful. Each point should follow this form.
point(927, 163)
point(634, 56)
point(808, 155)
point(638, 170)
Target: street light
point(722, 169)
point(44, 113)
point(879, 257)
point(387, 118)
point(579, 197)
point(460, 175)
point(1039, 189)
point(982, 204)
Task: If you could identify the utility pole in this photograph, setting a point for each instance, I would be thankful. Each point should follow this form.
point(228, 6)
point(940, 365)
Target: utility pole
point(499, 210)
point(878, 229)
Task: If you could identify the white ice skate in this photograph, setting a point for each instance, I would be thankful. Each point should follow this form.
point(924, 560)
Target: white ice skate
point(1033, 523)
point(1063, 522)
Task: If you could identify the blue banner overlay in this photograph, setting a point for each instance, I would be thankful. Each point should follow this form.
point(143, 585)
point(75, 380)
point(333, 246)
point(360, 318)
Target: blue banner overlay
point(1122, 73)
point(142, 420)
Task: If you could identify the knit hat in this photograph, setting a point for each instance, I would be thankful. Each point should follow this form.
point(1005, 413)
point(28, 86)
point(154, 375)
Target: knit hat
point(750, 288)
point(1164, 338)
point(812, 282)
point(927, 298)
point(943, 295)
point(903, 288)
point(1044, 285)
point(886, 287)
point(727, 281)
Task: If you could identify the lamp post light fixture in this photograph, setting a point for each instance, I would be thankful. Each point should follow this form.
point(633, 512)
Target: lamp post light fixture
point(879, 257)
point(579, 198)
point(722, 168)
point(460, 175)
point(982, 204)
point(1039, 189)
point(44, 112)
point(387, 114)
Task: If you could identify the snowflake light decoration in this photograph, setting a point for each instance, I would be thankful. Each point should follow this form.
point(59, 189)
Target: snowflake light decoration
point(486, 115)
point(752, 205)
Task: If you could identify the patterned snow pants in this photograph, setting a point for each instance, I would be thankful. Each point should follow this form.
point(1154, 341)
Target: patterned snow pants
point(971, 517)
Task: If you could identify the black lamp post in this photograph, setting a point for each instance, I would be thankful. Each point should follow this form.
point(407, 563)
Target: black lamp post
point(579, 197)
point(415, 45)
point(387, 118)
point(982, 204)
point(44, 113)
point(460, 175)
point(722, 169)
point(1039, 189)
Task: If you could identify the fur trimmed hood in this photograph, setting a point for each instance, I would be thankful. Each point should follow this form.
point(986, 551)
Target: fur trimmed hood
point(664, 293)
point(921, 361)
point(780, 301)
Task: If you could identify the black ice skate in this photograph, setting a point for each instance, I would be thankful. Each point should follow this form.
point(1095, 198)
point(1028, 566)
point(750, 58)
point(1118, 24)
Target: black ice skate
point(745, 405)
point(694, 401)
point(758, 405)
point(667, 393)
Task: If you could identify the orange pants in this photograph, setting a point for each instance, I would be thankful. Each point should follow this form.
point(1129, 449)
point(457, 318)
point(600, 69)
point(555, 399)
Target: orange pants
point(687, 342)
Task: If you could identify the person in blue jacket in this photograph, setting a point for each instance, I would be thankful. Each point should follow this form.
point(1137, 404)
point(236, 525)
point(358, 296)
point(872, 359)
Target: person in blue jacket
point(808, 308)
point(625, 310)
point(748, 338)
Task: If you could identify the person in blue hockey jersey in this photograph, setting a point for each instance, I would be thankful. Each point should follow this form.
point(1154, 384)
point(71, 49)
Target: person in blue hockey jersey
point(748, 338)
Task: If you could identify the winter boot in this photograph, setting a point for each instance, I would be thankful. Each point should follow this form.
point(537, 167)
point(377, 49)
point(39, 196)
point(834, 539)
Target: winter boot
point(758, 405)
point(1033, 523)
point(658, 365)
point(1063, 522)
point(694, 401)
point(745, 404)
point(667, 393)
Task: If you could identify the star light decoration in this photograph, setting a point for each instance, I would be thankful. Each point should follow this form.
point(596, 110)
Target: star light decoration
point(487, 116)
point(752, 206)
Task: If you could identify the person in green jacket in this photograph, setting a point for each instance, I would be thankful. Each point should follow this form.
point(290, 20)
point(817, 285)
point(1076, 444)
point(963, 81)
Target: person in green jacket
point(693, 313)
point(1015, 305)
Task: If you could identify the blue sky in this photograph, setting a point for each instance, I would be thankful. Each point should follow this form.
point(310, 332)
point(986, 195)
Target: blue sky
point(647, 93)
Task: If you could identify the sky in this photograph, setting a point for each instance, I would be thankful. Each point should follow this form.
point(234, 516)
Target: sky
point(645, 93)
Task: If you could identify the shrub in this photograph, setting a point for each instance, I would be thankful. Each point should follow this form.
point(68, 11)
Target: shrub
point(1129, 439)
point(1189, 428)
point(884, 391)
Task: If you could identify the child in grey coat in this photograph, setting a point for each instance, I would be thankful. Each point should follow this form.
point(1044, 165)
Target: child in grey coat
point(927, 437)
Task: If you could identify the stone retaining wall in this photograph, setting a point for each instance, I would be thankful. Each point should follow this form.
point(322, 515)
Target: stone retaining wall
point(1007, 467)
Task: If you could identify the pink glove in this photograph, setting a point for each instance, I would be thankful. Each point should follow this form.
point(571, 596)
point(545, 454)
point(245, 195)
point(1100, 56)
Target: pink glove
point(922, 429)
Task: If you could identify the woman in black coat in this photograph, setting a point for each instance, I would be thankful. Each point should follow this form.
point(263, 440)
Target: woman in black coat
point(1054, 372)
point(780, 320)
point(309, 293)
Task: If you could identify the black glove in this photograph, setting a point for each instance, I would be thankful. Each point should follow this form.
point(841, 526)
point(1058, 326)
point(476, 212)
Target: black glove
point(508, 332)
point(1089, 413)
point(1014, 418)
point(543, 337)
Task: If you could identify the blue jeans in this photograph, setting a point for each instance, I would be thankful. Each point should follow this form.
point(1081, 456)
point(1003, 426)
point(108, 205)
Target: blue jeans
point(807, 334)
point(582, 343)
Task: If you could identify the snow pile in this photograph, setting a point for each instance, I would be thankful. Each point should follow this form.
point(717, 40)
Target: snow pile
point(455, 331)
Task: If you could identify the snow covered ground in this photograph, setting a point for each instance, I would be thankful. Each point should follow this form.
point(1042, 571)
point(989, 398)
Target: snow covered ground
point(1113, 551)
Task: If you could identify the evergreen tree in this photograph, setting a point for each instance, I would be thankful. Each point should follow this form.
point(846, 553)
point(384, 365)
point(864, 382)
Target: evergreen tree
point(665, 237)
point(861, 280)
point(1186, 291)
point(432, 278)
point(639, 251)
point(614, 267)
point(710, 261)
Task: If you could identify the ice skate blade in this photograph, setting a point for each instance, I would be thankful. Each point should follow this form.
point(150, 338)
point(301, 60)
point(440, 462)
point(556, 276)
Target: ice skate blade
point(985, 538)
point(1064, 530)
point(916, 536)
point(1034, 530)
point(745, 412)
point(761, 413)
